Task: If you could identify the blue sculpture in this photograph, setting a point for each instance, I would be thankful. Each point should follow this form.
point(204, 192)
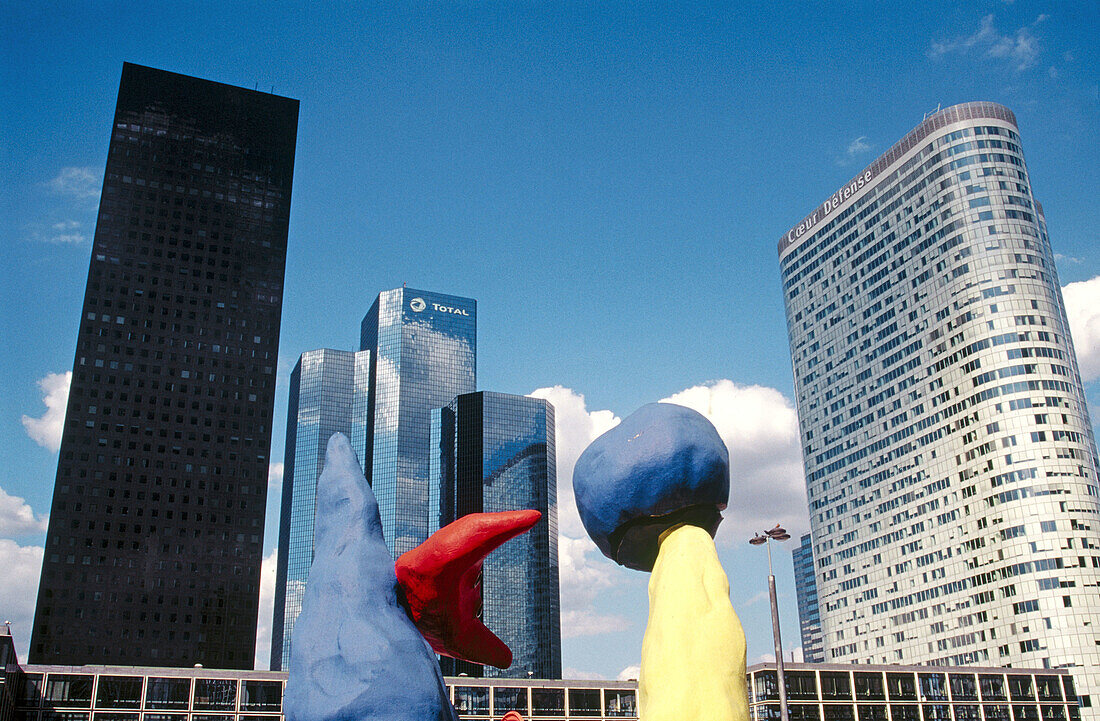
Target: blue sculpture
point(662, 466)
point(356, 654)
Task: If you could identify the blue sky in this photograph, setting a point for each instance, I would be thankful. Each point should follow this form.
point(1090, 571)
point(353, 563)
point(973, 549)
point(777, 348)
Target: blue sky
point(609, 180)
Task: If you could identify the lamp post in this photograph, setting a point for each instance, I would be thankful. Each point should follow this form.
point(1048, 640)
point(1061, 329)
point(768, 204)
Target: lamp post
point(775, 534)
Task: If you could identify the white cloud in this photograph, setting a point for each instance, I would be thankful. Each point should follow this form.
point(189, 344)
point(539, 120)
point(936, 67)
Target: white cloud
point(267, 608)
point(22, 566)
point(576, 674)
point(630, 673)
point(583, 574)
point(760, 428)
point(80, 183)
point(65, 232)
point(1083, 311)
point(17, 518)
point(575, 428)
point(46, 430)
point(857, 146)
point(1020, 49)
point(787, 652)
point(275, 477)
point(583, 571)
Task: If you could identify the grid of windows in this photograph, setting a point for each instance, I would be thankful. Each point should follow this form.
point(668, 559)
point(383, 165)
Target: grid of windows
point(154, 544)
point(327, 387)
point(495, 452)
point(950, 462)
point(809, 620)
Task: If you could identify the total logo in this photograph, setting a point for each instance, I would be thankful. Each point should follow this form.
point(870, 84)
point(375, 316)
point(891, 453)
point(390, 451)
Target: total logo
point(418, 304)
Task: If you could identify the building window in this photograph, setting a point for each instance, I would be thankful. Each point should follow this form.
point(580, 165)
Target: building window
point(506, 698)
point(620, 703)
point(992, 687)
point(261, 696)
point(69, 690)
point(167, 693)
point(963, 687)
point(119, 692)
point(835, 686)
point(801, 685)
point(472, 700)
point(584, 702)
point(901, 687)
point(548, 701)
point(869, 687)
point(871, 712)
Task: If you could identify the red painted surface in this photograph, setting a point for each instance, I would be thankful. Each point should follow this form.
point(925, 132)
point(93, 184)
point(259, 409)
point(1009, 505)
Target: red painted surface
point(512, 716)
point(441, 579)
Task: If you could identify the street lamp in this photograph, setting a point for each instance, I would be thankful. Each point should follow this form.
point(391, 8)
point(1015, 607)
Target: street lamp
point(776, 534)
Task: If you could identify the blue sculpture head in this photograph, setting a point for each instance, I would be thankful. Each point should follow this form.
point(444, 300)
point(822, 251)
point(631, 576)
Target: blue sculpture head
point(664, 465)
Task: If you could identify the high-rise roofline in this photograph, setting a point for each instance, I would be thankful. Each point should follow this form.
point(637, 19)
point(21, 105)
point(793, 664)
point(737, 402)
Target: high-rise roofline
point(934, 122)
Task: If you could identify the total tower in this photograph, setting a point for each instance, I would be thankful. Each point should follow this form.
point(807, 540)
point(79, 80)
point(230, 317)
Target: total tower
point(951, 467)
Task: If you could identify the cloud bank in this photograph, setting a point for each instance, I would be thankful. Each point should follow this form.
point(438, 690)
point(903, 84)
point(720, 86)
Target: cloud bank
point(760, 428)
point(1020, 49)
point(46, 429)
point(1082, 301)
point(21, 566)
point(17, 518)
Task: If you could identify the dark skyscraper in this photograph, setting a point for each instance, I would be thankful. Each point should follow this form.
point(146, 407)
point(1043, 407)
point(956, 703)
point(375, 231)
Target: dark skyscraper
point(809, 618)
point(495, 452)
point(155, 538)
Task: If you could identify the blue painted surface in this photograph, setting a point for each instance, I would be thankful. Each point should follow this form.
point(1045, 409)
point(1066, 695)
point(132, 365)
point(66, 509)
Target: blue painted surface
point(356, 655)
point(661, 459)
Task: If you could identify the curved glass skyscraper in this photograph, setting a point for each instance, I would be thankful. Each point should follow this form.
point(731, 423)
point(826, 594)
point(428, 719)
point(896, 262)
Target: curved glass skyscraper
point(950, 463)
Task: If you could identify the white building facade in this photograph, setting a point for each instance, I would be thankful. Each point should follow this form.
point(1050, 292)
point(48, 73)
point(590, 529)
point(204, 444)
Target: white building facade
point(950, 463)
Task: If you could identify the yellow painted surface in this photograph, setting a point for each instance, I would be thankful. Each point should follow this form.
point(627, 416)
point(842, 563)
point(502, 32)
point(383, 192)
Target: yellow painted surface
point(693, 653)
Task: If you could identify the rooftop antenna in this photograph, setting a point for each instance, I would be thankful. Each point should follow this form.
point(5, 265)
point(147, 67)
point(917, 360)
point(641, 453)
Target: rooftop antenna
point(931, 112)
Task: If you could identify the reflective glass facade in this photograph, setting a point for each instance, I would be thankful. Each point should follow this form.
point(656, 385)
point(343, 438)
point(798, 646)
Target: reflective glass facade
point(809, 621)
point(950, 462)
point(155, 537)
point(423, 353)
point(327, 388)
point(495, 452)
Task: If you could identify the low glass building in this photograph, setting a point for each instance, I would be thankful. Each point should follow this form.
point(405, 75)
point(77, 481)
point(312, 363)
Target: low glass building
point(124, 693)
point(849, 692)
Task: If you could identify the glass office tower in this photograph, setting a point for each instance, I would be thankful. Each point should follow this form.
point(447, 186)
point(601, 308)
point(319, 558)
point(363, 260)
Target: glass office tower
point(495, 452)
point(155, 537)
point(809, 622)
point(328, 394)
point(423, 353)
point(950, 462)
point(418, 350)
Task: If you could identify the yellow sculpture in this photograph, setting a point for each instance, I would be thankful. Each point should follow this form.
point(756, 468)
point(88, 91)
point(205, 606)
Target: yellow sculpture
point(693, 653)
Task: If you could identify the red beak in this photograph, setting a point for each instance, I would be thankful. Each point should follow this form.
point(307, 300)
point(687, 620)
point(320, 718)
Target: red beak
point(441, 579)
